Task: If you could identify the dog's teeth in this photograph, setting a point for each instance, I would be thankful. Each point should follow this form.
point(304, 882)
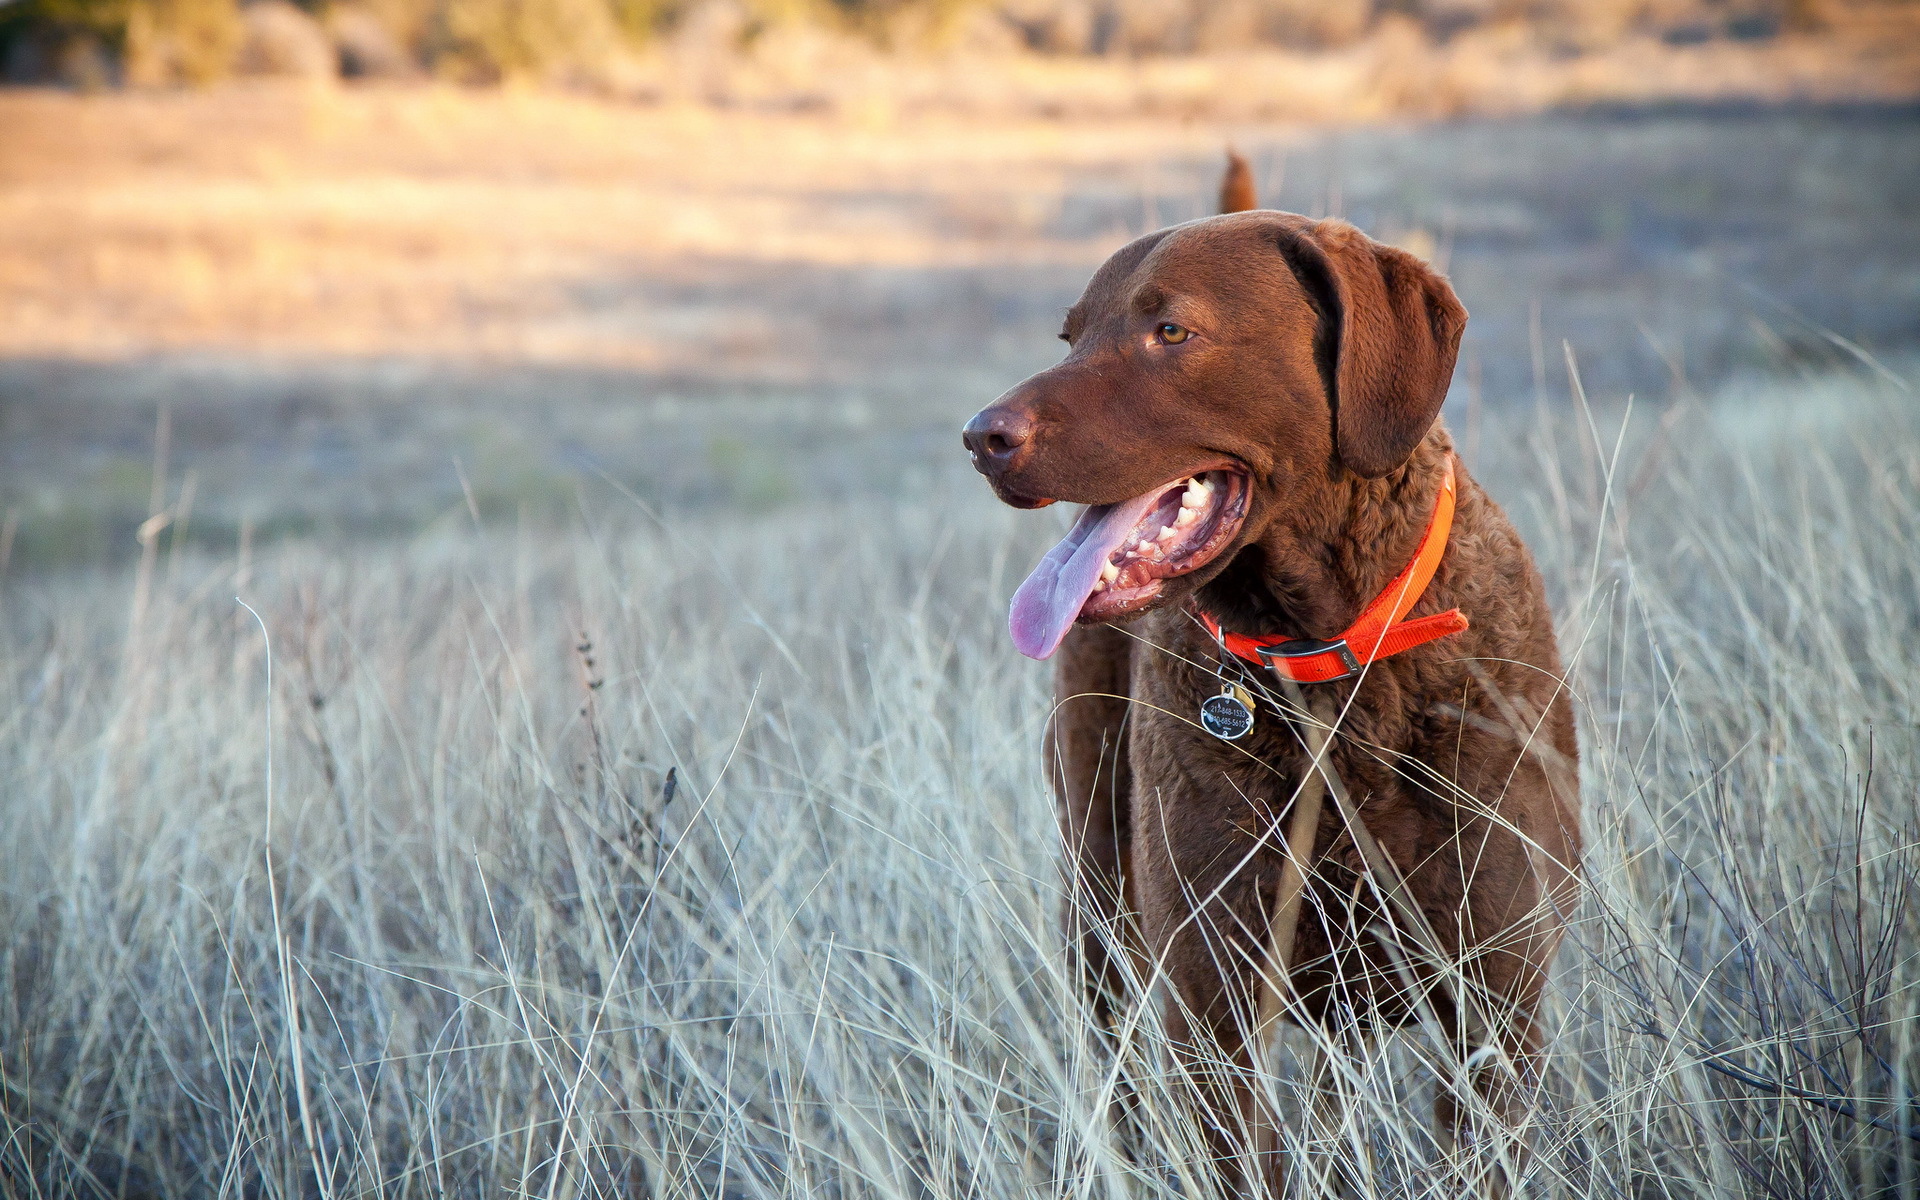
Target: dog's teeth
point(1109, 573)
point(1194, 497)
point(1099, 585)
point(1187, 518)
point(1167, 533)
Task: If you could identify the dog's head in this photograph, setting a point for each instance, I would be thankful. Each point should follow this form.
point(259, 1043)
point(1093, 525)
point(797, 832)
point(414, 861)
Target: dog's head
point(1214, 368)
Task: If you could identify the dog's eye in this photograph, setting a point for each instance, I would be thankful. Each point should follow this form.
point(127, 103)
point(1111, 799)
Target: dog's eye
point(1172, 334)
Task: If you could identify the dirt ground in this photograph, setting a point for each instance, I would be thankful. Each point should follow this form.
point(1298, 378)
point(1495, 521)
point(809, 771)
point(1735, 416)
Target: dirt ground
point(365, 310)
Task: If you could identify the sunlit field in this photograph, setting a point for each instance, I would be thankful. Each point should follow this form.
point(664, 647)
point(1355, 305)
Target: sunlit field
point(695, 854)
point(348, 299)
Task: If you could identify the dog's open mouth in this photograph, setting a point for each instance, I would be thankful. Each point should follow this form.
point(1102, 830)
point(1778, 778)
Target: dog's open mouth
point(1118, 557)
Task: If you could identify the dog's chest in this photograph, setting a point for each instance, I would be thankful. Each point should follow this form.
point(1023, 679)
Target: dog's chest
point(1233, 789)
point(1175, 752)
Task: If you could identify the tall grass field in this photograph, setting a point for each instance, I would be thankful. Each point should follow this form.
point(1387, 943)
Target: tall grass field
point(694, 855)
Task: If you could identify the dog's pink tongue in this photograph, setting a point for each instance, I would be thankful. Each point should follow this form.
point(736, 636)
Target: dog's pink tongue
point(1046, 604)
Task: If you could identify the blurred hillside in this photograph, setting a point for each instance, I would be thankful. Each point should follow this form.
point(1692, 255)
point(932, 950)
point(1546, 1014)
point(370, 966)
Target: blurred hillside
point(1231, 58)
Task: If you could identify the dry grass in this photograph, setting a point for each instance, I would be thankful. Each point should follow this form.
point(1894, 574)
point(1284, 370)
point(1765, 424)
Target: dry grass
point(540, 227)
point(711, 857)
point(342, 294)
point(527, 227)
point(431, 222)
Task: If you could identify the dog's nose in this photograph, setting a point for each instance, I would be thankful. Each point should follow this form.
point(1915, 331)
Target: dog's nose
point(997, 437)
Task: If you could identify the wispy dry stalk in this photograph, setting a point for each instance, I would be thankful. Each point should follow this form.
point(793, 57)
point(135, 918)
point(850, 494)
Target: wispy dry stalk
point(9, 529)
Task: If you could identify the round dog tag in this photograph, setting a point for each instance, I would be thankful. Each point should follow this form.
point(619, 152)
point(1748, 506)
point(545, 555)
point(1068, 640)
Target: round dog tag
point(1226, 716)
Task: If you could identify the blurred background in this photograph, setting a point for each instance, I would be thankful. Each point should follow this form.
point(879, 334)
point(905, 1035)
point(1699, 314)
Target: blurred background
point(385, 264)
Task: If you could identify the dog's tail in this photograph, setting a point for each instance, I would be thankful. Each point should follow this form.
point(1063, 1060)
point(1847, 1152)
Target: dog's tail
point(1236, 186)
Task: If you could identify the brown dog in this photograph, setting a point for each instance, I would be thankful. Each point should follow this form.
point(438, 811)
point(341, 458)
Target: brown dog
point(1249, 407)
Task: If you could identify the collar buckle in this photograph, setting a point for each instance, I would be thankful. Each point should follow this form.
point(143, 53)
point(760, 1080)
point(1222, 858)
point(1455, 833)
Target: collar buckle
point(1301, 648)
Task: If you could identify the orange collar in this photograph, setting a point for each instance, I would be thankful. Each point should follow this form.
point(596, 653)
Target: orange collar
point(1378, 632)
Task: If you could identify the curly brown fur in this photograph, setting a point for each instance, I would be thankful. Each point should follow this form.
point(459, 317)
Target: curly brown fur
point(1318, 363)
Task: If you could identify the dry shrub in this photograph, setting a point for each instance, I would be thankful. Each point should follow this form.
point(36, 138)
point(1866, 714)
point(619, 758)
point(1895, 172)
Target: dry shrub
point(181, 41)
point(1163, 27)
point(367, 46)
point(493, 40)
point(280, 39)
point(1550, 51)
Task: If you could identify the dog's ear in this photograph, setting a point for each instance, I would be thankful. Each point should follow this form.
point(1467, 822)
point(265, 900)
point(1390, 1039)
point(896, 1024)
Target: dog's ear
point(1389, 334)
point(1236, 186)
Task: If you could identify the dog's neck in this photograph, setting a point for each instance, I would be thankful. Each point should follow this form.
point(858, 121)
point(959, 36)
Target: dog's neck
point(1331, 546)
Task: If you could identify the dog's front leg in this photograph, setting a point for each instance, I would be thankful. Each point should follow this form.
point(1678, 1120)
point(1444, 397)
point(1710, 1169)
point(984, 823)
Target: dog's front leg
point(1202, 913)
point(1092, 777)
point(1488, 1135)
